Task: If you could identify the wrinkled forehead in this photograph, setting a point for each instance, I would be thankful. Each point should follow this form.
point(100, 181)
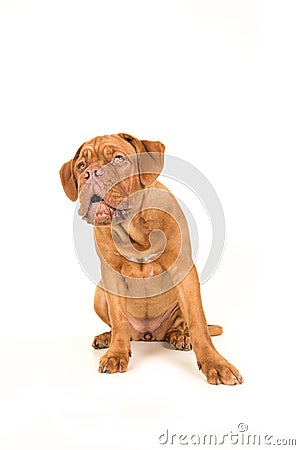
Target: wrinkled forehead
point(103, 147)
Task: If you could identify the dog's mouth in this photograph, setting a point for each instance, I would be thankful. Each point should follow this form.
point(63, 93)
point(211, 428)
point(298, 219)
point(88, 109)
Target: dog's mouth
point(100, 212)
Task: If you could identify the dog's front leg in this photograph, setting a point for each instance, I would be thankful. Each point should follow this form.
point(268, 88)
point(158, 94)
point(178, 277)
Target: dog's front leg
point(116, 358)
point(216, 368)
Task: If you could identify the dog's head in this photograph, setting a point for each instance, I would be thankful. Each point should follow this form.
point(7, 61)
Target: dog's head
point(106, 171)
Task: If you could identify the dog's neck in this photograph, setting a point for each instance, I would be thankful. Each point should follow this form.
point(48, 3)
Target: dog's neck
point(138, 243)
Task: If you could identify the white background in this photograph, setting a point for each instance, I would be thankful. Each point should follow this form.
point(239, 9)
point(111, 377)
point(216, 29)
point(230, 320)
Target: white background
point(216, 81)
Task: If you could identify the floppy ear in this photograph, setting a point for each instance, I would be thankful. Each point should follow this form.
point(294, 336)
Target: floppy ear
point(150, 158)
point(68, 179)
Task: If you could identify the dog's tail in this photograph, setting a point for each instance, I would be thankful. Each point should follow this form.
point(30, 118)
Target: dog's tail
point(215, 330)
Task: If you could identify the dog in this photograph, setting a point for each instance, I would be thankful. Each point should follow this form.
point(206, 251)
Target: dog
point(149, 289)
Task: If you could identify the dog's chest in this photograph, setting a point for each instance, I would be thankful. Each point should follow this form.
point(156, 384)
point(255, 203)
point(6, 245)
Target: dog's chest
point(141, 269)
point(145, 279)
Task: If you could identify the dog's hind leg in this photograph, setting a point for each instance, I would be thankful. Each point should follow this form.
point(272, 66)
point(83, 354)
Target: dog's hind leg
point(101, 305)
point(177, 334)
point(101, 308)
point(102, 340)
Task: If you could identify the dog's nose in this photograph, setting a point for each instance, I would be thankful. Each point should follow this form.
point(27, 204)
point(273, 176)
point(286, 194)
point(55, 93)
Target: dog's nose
point(93, 172)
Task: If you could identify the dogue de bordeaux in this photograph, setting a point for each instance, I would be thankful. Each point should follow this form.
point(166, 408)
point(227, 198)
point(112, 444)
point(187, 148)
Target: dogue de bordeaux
point(149, 289)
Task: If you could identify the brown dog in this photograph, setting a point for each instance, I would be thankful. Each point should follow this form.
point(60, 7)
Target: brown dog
point(149, 289)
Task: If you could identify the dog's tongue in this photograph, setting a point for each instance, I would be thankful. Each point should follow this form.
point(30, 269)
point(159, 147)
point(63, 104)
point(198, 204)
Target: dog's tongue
point(103, 208)
point(103, 213)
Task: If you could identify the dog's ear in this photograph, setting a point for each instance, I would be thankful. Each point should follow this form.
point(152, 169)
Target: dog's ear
point(68, 179)
point(152, 162)
point(150, 158)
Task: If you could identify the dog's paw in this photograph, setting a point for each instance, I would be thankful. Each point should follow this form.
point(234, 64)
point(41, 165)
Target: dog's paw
point(178, 340)
point(112, 362)
point(102, 340)
point(219, 371)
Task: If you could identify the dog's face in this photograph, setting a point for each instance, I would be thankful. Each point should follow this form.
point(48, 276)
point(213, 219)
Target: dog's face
point(106, 171)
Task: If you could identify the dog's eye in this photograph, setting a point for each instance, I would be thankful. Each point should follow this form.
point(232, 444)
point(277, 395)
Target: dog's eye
point(119, 159)
point(81, 166)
